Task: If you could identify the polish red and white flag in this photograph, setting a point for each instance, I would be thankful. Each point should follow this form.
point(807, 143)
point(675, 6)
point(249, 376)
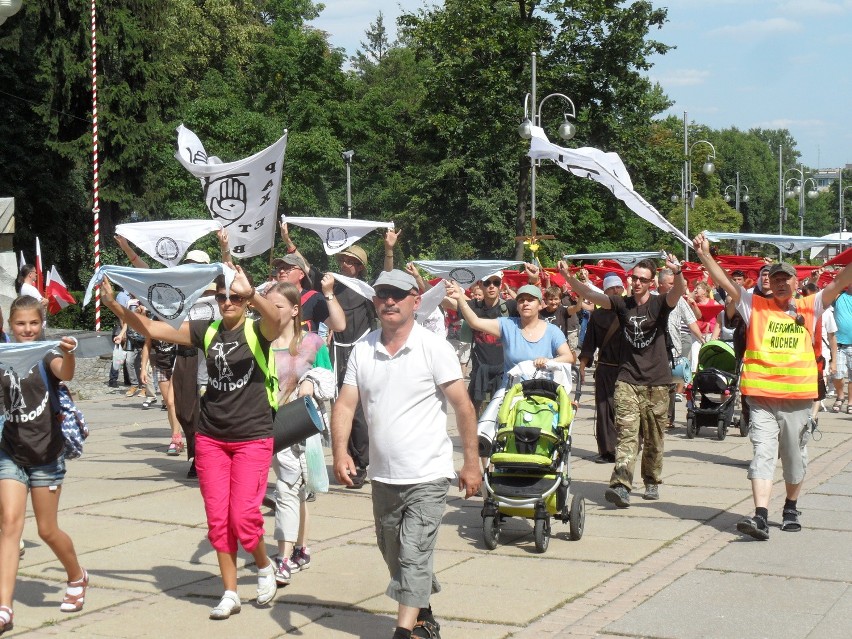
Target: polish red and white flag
point(57, 293)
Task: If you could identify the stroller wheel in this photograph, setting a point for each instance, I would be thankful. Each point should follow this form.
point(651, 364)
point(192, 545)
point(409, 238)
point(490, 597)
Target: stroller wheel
point(490, 531)
point(577, 518)
point(742, 424)
point(721, 429)
point(542, 534)
point(691, 427)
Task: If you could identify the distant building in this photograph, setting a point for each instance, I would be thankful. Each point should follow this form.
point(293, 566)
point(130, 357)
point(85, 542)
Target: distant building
point(824, 178)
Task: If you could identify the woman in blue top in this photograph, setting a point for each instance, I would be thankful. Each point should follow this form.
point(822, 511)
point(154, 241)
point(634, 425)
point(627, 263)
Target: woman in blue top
point(526, 337)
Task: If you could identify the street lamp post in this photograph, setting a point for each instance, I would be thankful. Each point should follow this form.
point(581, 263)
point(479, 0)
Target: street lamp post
point(347, 159)
point(737, 199)
point(532, 117)
point(799, 190)
point(843, 219)
point(688, 190)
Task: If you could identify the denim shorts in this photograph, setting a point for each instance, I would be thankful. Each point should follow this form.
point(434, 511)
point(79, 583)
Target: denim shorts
point(43, 476)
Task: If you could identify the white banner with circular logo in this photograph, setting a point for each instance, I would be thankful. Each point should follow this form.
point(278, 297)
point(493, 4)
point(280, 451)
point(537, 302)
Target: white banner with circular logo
point(337, 234)
point(166, 241)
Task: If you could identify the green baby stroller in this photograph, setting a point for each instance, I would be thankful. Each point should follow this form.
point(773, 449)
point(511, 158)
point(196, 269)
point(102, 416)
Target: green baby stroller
point(530, 471)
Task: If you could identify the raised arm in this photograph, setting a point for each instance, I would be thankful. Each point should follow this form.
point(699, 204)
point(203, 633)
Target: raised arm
point(582, 289)
point(489, 326)
point(135, 260)
point(224, 247)
point(702, 250)
point(391, 238)
point(336, 320)
point(679, 285)
point(835, 287)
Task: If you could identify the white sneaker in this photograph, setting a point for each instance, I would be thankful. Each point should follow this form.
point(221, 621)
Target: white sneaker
point(229, 605)
point(266, 585)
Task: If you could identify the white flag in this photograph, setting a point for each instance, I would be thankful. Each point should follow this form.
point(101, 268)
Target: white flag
point(242, 195)
point(169, 293)
point(168, 241)
point(337, 233)
point(626, 259)
point(785, 243)
point(604, 168)
point(465, 272)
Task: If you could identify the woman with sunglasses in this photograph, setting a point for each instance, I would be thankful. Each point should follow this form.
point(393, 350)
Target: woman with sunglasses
point(233, 444)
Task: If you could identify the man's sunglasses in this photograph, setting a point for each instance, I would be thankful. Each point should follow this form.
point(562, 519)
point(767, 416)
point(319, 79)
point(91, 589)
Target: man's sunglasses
point(235, 299)
point(397, 294)
point(494, 282)
point(644, 280)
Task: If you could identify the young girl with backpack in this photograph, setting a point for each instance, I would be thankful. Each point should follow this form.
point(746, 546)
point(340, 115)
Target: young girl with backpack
point(32, 460)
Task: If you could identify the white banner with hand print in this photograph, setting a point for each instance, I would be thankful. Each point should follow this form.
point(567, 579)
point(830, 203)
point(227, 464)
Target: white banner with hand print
point(242, 195)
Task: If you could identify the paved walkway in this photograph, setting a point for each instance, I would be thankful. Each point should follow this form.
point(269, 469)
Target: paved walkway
point(674, 568)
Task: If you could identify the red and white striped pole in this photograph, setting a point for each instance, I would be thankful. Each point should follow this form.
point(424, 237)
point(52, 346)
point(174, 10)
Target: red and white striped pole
point(96, 209)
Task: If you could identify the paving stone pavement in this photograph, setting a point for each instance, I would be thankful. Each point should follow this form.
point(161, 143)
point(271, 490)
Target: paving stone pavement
point(673, 568)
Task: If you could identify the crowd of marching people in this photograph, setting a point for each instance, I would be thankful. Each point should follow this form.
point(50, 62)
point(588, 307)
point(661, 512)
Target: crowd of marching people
point(385, 363)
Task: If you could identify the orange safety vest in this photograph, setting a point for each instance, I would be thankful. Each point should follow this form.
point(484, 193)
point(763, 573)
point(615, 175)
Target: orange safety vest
point(779, 359)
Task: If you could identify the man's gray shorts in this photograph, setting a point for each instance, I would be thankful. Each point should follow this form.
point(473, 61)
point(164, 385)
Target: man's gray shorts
point(407, 519)
point(779, 425)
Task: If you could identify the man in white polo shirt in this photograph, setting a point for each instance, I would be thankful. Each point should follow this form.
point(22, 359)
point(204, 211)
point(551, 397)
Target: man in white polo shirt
point(404, 376)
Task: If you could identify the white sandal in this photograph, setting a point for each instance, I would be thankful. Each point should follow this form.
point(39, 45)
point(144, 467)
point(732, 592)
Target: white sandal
point(6, 617)
point(266, 585)
point(229, 605)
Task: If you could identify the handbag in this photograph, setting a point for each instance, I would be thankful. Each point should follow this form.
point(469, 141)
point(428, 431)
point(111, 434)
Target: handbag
point(67, 415)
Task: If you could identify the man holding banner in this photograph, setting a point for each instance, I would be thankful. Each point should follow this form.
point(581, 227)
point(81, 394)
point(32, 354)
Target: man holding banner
point(778, 381)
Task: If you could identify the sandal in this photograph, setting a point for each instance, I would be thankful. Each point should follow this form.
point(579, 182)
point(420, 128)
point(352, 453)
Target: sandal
point(75, 594)
point(229, 605)
point(175, 446)
point(837, 405)
point(6, 617)
point(790, 520)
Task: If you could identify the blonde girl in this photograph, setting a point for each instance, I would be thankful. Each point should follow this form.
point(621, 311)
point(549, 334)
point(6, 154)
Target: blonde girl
point(32, 460)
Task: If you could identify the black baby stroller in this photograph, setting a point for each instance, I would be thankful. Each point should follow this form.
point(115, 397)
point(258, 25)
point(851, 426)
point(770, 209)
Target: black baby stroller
point(529, 474)
point(712, 395)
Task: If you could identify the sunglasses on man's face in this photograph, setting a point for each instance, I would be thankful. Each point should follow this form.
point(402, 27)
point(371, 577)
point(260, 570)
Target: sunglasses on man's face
point(393, 293)
point(643, 280)
point(494, 282)
point(235, 299)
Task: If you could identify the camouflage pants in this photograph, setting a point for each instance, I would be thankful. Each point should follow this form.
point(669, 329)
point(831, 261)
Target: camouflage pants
point(641, 416)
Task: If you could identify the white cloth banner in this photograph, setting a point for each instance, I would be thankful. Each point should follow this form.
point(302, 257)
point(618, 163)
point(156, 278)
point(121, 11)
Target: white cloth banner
point(359, 286)
point(430, 300)
point(465, 272)
point(786, 243)
point(625, 258)
point(843, 239)
point(337, 233)
point(168, 241)
point(242, 195)
point(604, 168)
point(20, 358)
point(169, 293)
point(205, 308)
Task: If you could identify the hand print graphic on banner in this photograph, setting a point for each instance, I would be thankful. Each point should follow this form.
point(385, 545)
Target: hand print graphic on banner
point(241, 195)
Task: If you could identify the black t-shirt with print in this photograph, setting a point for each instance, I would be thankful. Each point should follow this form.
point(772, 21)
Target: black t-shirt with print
point(559, 318)
point(643, 328)
point(31, 436)
point(488, 350)
point(234, 408)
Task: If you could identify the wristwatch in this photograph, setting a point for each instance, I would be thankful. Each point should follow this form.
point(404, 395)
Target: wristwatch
point(329, 297)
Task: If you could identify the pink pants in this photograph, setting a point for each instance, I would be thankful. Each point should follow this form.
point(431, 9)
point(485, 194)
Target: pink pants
point(232, 477)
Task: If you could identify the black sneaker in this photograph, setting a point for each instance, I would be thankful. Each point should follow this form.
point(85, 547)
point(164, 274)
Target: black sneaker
point(192, 473)
point(619, 496)
point(790, 520)
point(754, 527)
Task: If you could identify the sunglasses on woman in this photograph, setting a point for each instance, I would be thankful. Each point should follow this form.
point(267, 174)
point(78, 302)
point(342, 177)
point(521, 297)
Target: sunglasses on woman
point(494, 282)
point(235, 299)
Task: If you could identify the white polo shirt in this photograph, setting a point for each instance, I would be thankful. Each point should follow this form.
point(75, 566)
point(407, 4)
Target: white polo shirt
point(406, 410)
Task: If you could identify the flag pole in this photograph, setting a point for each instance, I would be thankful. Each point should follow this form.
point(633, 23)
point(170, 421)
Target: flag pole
point(96, 209)
point(277, 201)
